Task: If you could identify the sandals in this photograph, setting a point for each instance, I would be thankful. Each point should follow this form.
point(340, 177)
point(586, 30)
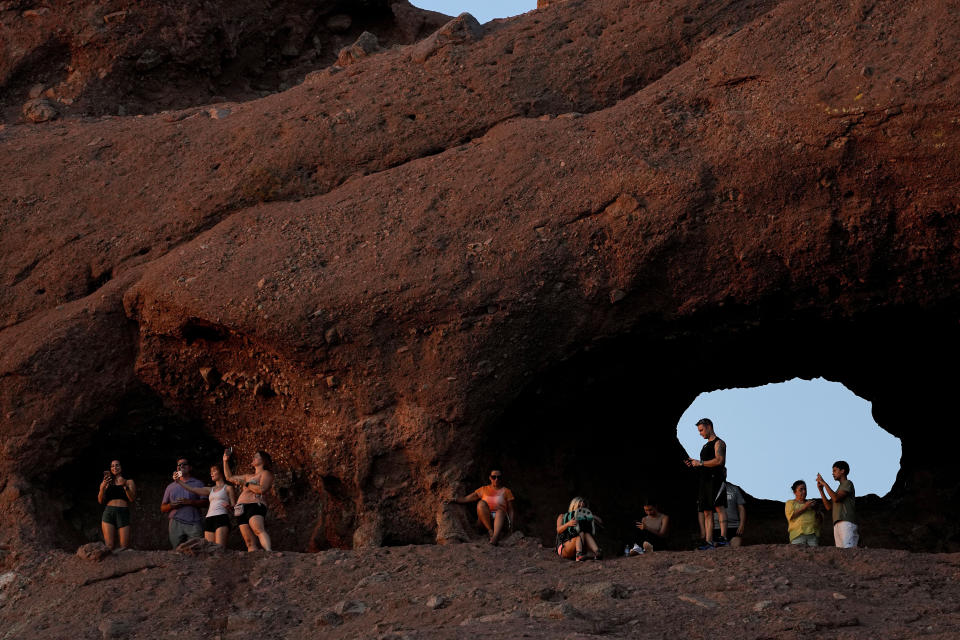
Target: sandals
point(581, 556)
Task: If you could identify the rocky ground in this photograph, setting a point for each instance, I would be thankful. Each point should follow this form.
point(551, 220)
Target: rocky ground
point(519, 590)
point(520, 244)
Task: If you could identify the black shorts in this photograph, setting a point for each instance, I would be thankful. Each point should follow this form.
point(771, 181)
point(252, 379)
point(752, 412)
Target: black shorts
point(212, 523)
point(713, 492)
point(251, 509)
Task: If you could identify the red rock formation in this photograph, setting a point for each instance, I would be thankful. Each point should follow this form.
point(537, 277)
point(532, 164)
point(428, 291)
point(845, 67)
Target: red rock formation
point(127, 57)
point(528, 247)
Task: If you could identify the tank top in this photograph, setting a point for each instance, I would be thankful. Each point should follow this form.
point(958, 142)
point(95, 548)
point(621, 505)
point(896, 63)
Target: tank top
point(219, 502)
point(496, 499)
point(257, 498)
point(115, 492)
point(709, 452)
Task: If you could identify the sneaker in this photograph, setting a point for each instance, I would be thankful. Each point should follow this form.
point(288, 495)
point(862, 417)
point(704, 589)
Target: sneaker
point(647, 547)
point(720, 542)
point(704, 545)
point(636, 550)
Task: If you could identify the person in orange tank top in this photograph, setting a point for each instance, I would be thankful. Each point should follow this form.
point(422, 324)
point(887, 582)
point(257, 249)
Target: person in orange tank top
point(494, 506)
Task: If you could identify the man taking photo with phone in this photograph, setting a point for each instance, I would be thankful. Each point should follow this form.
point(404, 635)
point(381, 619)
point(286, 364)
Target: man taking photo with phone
point(182, 507)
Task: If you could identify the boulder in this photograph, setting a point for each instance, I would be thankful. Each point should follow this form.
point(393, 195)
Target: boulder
point(365, 45)
point(93, 551)
point(39, 110)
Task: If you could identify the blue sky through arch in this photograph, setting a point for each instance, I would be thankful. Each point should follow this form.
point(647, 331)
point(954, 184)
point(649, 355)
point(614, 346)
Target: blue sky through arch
point(482, 10)
point(793, 430)
point(777, 433)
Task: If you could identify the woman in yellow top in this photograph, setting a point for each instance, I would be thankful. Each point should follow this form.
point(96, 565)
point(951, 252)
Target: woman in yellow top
point(802, 523)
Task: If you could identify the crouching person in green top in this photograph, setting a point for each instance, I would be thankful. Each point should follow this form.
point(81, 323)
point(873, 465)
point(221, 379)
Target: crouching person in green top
point(575, 530)
point(803, 526)
point(841, 503)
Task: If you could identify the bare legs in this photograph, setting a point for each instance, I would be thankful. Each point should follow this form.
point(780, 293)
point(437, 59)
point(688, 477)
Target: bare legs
point(109, 535)
point(722, 517)
point(256, 531)
point(591, 543)
point(573, 548)
point(248, 538)
point(495, 526)
point(707, 519)
point(124, 537)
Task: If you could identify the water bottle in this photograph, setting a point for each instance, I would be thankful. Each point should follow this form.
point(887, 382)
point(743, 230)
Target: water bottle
point(626, 551)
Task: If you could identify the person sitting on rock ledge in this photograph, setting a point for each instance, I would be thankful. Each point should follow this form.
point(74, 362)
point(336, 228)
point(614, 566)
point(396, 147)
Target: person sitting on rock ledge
point(736, 515)
point(494, 506)
point(117, 493)
point(250, 509)
point(654, 528)
point(575, 529)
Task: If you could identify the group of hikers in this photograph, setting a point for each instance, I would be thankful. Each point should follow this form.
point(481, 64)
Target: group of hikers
point(186, 496)
point(721, 511)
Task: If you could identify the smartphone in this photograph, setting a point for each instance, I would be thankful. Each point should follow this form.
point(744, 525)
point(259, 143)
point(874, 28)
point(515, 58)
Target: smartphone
point(107, 474)
point(177, 475)
point(228, 451)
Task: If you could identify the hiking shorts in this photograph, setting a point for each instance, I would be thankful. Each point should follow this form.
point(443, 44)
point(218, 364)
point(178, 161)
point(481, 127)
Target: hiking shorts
point(713, 492)
point(117, 516)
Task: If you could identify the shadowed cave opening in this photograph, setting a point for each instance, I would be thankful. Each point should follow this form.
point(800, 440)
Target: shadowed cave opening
point(603, 423)
point(146, 437)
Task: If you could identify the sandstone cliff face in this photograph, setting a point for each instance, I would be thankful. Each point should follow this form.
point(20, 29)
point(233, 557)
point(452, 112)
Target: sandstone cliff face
point(518, 245)
point(124, 57)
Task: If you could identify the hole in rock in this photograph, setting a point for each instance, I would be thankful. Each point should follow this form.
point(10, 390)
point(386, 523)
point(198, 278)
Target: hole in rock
point(779, 433)
point(603, 422)
point(482, 10)
point(196, 329)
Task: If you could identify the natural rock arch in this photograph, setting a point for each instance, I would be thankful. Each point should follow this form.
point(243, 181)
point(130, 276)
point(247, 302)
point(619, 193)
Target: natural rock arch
point(405, 293)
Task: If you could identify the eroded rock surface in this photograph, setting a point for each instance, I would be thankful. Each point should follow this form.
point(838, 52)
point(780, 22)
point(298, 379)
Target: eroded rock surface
point(523, 248)
point(125, 57)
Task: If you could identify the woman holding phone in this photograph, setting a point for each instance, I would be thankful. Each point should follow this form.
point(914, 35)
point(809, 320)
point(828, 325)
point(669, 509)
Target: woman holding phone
point(251, 509)
point(216, 526)
point(117, 493)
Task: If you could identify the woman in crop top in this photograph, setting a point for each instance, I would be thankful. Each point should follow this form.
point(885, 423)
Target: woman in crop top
point(116, 492)
point(251, 509)
point(216, 526)
point(494, 506)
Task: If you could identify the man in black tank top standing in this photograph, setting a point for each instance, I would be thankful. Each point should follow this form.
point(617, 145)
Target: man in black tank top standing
point(713, 472)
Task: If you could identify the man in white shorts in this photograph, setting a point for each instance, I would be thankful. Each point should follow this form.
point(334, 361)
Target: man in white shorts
point(841, 502)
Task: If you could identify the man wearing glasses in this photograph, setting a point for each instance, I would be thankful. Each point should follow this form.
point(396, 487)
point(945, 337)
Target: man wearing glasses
point(183, 507)
point(494, 506)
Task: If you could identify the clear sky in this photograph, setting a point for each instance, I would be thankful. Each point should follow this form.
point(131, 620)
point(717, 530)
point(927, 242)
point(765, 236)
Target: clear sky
point(789, 431)
point(482, 10)
point(777, 433)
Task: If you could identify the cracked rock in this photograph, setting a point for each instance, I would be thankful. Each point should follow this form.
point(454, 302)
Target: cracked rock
point(39, 110)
